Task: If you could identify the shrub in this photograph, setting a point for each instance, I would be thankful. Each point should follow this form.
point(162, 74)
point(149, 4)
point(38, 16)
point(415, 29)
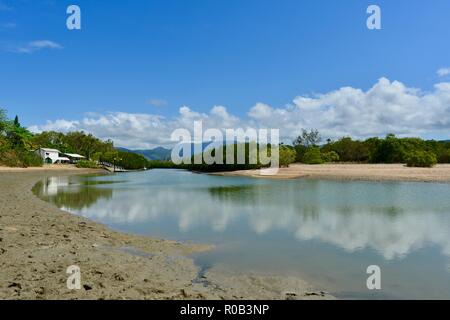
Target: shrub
point(131, 161)
point(300, 152)
point(9, 158)
point(349, 150)
point(444, 157)
point(87, 164)
point(312, 156)
point(160, 164)
point(249, 161)
point(421, 159)
point(331, 156)
point(287, 156)
point(19, 158)
point(30, 159)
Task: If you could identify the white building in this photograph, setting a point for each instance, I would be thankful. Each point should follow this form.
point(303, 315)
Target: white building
point(51, 156)
point(74, 158)
point(52, 184)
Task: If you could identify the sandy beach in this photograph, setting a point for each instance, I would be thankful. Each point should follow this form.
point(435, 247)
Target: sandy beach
point(370, 172)
point(38, 242)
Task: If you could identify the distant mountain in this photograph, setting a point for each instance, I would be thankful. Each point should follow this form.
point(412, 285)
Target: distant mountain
point(158, 153)
point(203, 146)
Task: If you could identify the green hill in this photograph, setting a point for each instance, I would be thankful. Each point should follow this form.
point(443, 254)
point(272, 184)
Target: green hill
point(158, 153)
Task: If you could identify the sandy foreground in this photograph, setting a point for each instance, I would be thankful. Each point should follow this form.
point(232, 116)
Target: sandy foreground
point(38, 242)
point(377, 172)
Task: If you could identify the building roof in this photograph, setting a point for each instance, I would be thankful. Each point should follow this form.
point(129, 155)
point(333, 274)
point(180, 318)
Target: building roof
point(62, 159)
point(50, 150)
point(74, 155)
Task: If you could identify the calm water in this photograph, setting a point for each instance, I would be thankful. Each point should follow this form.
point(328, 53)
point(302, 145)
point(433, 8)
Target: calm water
point(325, 231)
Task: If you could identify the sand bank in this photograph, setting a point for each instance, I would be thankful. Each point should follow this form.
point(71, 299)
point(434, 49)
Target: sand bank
point(38, 242)
point(377, 172)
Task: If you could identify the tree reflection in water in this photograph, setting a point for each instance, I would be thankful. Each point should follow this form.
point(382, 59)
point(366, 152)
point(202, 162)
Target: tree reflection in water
point(71, 192)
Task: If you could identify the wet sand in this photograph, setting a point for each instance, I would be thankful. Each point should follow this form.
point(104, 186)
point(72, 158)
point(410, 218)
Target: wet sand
point(38, 242)
point(370, 172)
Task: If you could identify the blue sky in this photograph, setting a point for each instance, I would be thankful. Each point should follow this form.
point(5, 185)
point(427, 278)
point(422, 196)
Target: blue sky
point(153, 57)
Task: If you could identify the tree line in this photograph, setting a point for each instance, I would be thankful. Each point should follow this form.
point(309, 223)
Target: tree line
point(308, 148)
point(17, 144)
point(391, 149)
point(95, 150)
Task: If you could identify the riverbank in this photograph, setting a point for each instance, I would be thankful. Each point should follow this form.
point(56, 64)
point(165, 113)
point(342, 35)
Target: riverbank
point(370, 172)
point(38, 242)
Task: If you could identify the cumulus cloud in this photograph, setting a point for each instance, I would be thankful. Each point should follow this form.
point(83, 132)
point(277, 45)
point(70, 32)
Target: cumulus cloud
point(442, 72)
point(384, 108)
point(260, 111)
point(37, 45)
point(387, 107)
point(58, 125)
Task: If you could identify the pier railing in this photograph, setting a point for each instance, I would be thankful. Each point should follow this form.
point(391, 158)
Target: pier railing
point(111, 167)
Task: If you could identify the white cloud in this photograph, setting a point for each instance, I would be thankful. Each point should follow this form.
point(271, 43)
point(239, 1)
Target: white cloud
point(384, 108)
point(37, 45)
point(58, 125)
point(442, 72)
point(387, 107)
point(260, 111)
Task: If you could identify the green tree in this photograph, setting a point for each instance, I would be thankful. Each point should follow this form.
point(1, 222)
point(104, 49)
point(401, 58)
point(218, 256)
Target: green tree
point(3, 121)
point(312, 156)
point(51, 139)
point(20, 137)
point(331, 156)
point(109, 156)
point(444, 156)
point(308, 139)
point(73, 142)
point(421, 159)
point(348, 150)
point(16, 121)
point(131, 161)
point(287, 156)
point(299, 152)
point(390, 150)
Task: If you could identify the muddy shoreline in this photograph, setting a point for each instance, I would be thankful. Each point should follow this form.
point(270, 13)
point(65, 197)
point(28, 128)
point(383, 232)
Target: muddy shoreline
point(38, 242)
